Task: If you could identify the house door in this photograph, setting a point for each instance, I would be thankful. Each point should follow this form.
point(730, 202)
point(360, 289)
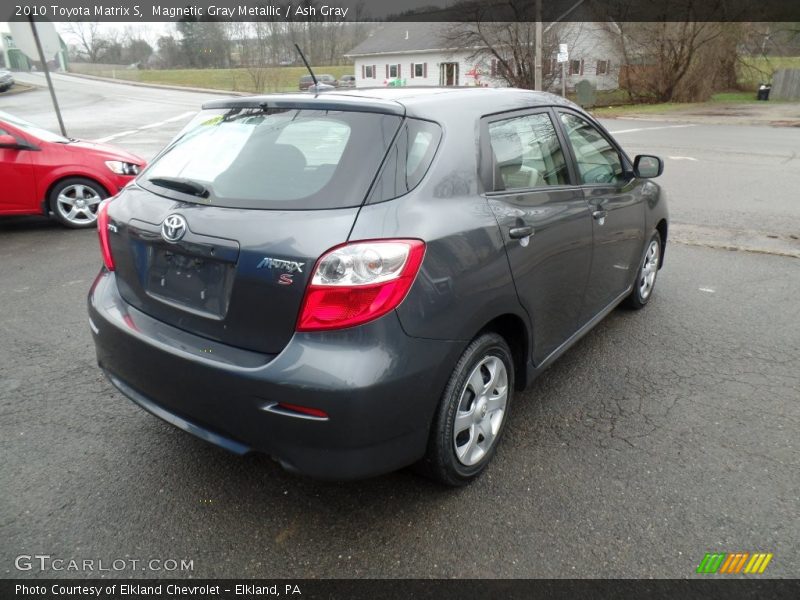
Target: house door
point(448, 73)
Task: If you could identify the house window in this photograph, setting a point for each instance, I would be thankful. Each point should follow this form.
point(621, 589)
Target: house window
point(369, 72)
point(419, 70)
point(575, 67)
point(602, 67)
point(394, 71)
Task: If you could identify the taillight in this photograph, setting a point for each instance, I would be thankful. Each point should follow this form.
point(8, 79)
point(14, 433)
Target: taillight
point(102, 231)
point(359, 282)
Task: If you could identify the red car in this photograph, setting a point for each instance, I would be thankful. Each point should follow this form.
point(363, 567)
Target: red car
point(43, 173)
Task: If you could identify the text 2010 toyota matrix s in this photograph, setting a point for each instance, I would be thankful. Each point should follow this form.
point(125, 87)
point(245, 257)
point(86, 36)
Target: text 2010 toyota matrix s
point(354, 282)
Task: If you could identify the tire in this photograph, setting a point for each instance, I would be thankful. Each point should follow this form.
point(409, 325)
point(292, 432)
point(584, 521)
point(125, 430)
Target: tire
point(74, 202)
point(647, 274)
point(458, 451)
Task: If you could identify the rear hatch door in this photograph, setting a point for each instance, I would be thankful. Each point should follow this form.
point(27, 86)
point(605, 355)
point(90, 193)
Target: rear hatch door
point(220, 234)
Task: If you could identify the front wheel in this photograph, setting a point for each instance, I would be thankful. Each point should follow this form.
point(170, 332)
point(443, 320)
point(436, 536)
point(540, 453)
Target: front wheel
point(472, 412)
point(646, 277)
point(74, 202)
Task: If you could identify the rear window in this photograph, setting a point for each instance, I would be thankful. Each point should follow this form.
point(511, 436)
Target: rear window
point(276, 158)
point(408, 160)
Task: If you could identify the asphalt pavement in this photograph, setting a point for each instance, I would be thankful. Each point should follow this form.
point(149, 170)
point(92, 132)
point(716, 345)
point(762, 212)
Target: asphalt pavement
point(662, 435)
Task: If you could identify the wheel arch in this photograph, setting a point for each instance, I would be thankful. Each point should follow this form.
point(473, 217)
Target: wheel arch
point(514, 331)
point(662, 228)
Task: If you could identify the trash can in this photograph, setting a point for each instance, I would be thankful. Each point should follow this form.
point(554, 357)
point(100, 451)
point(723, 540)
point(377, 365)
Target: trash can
point(763, 91)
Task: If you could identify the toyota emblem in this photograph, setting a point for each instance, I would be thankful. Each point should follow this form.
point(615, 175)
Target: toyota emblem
point(173, 228)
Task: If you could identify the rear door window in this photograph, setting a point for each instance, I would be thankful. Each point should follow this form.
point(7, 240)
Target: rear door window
point(277, 158)
point(527, 153)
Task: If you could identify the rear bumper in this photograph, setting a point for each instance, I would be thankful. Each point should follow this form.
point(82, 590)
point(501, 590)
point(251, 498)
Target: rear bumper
point(379, 387)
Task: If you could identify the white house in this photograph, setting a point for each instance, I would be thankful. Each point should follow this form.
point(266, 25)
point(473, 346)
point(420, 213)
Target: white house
point(418, 54)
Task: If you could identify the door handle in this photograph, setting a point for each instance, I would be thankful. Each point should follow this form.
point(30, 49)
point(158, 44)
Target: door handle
point(600, 216)
point(517, 233)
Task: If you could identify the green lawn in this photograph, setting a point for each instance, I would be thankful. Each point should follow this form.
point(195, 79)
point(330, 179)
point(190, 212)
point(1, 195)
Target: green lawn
point(719, 98)
point(275, 79)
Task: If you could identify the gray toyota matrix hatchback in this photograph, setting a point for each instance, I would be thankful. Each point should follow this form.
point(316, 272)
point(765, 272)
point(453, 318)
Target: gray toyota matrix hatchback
point(358, 281)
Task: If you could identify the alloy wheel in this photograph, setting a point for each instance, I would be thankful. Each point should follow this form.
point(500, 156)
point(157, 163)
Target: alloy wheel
point(481, 410)
point(77, 203)
point(647, 276)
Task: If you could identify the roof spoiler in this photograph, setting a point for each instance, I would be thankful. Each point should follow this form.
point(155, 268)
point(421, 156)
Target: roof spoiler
point(304, 101)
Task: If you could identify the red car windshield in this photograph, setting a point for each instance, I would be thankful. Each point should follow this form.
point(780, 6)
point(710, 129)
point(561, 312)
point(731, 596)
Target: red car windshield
point(30, 128)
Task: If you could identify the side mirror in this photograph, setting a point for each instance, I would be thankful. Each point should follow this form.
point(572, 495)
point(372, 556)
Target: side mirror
point(8, 141)
point(12, 143)
point(646, 166)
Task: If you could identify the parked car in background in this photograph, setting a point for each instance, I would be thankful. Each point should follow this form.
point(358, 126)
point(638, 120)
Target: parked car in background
point(6, 80)
point(347, 81)
point(44, 173)
point(306, 81)
point(353, 282)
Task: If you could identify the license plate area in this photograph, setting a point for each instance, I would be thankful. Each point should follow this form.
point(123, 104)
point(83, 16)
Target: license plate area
point(196, 284)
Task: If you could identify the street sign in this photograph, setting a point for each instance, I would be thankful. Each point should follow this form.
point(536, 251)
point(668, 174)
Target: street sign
point(23, 38)
point(563, 54)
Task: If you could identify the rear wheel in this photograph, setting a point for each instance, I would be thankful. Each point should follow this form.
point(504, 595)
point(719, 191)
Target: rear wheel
point(470, 419)
point(74, 201)
point(646, 277)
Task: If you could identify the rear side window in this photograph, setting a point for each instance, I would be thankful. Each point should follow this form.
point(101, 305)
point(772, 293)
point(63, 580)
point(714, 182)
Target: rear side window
point(527, 153)
point(277, 158)
point(408, 160)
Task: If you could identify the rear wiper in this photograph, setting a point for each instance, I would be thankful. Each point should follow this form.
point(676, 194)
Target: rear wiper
point(187, 186)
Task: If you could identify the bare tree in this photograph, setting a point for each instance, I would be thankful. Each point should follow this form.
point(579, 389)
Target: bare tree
point(507, 49)
point(91, 44)
point(671, 61)
point(252, 41)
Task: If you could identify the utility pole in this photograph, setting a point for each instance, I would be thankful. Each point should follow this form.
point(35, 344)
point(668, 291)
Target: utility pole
point(47, 75)
point(537, 61)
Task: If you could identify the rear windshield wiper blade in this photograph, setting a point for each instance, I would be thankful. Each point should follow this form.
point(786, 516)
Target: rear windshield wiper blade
point(187, 186)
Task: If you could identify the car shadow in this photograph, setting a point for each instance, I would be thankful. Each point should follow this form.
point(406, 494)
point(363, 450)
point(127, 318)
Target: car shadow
point(24, 223)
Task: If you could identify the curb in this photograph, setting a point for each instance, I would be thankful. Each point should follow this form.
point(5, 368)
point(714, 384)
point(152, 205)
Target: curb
point(181, 88)
point(19, 88)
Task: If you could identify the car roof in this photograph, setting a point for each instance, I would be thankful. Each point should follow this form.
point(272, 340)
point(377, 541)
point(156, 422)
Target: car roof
point(423, 102)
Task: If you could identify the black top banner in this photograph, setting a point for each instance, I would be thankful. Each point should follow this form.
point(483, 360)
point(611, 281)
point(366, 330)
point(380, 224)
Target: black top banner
point(402, 10)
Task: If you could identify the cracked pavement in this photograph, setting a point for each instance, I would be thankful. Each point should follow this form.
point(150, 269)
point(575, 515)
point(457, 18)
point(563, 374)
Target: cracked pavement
point(662, 435)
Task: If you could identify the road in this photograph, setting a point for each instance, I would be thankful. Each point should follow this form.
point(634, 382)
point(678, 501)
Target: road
point(728, 185)
point(96, 110)
point(662, 435)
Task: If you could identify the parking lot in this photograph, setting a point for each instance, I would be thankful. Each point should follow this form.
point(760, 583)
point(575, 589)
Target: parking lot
point(662, 435)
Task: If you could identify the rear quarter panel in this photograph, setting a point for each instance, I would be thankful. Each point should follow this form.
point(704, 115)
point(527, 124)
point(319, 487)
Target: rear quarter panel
point(465, 279)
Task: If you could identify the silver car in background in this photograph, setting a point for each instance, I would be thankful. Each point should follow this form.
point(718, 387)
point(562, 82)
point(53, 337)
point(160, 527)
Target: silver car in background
point(6, 80)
